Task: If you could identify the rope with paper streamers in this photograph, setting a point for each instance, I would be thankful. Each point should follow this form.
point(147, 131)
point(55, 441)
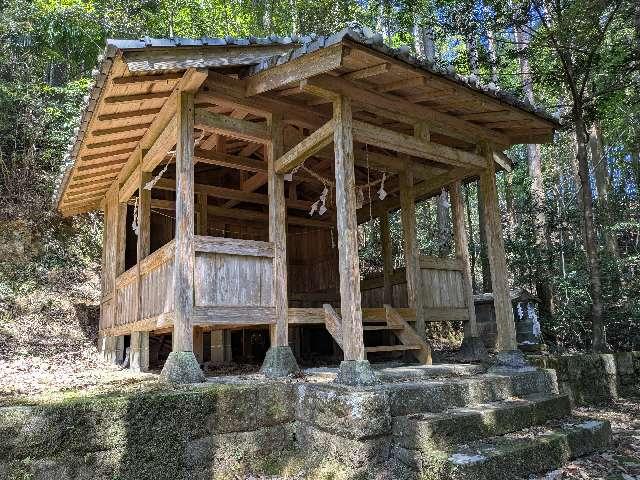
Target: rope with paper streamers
point(151, 183)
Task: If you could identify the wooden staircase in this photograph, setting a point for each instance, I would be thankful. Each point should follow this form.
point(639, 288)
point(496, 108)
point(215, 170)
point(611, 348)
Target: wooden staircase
point(391, 321)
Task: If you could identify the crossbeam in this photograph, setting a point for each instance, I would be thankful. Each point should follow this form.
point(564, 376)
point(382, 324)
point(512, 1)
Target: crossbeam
point(321, 61)
point(306, 148)
point(411, 145)
point(233, 127)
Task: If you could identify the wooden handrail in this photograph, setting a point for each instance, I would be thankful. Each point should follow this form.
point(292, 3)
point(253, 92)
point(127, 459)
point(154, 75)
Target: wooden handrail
point(234, 246)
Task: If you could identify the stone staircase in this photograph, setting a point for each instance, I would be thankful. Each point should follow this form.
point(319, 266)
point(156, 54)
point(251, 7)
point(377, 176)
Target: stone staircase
point(440, 422)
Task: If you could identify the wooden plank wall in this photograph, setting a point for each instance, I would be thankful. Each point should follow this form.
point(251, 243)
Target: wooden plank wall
point(110, 233)
point(232, 272)
point(156, 281)
point(312, 265)
point(372, 289)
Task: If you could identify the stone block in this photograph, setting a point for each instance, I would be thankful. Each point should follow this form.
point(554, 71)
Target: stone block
point(344, 411)
point(349, 452)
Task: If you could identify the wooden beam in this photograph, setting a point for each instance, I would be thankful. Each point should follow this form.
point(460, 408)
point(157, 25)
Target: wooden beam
point(138, 79)
point(252, 215)
point(386, 104)
point(400, 84)
point(161, 147)
point(184, 247)
point(109, 143)
point(122, 129)
point(497, 259)
point(321, 61)
point(105, 117)
point(368, 72)
point(232, 194)
point(203, 215)
point(232, 127)
point(462, 253)
point(415, 146)
point(213, 157)
point(351, 309)
point(137, 97)
point(306, 148)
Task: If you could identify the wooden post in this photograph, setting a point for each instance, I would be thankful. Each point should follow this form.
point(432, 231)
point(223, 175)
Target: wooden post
point(462, 252)
point(387, 258)
point(347, 225)
point(411, 252)
point(203, 217)
point(184, 250)
point(278, 233)
point(198, 344)
point(497, 260)
point(217, 347)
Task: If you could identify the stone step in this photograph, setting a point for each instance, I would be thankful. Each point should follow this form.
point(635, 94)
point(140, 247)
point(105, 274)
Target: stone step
point(510, 456)
point(391, 348)
point(406, 398)
point(429, 431)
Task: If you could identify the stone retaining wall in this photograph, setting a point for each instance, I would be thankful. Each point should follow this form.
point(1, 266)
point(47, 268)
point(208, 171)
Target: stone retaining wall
point(593, 379)
point(152, 436)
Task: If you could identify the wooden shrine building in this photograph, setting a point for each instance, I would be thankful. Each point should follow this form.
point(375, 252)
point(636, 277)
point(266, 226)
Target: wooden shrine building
point(231, 175)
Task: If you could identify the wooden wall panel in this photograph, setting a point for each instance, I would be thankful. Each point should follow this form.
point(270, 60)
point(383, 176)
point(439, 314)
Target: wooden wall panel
point(233, 280)
point(156, 286)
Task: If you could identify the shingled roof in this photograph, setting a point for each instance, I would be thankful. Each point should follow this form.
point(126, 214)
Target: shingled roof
point(285, 49)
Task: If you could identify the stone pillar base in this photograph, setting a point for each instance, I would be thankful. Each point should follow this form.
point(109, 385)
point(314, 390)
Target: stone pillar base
point(356, 373)
point(472, 350)
point(279, 362)
point(182, 367)
point(511, 361)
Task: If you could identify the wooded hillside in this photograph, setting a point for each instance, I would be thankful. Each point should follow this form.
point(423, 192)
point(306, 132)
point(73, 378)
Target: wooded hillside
point(571, 210)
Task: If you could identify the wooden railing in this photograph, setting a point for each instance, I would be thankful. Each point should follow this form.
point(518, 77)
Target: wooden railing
point(233, 284)
point(233, 281)
point(441, 288)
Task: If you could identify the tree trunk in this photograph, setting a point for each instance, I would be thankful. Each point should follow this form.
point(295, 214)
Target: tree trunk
point(534, 156)
point(472, 53)
point(493, 57)
point(472, 245)
point(599, 165)
point(444, 224)
point(599, 341)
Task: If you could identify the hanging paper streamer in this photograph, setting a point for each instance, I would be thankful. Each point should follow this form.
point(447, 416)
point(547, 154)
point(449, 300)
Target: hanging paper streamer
point(134, 224)
point(382, 193)
point(323, 200)
point(314, 207)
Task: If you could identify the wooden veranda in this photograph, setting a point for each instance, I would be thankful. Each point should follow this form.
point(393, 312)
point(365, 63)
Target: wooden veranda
point(207, 156)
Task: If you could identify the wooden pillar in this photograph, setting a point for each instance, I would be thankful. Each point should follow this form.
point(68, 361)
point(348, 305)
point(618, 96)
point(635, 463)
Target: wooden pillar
point(347, 226)
point(497, 260)
point(411, 252)
point(462, 253)
point(387, 258)
point(217, 347)
point(139, 353)
point(203, 217)
point(198, 344)
point(184, 249)
point(278, 234)
point(121, 238)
